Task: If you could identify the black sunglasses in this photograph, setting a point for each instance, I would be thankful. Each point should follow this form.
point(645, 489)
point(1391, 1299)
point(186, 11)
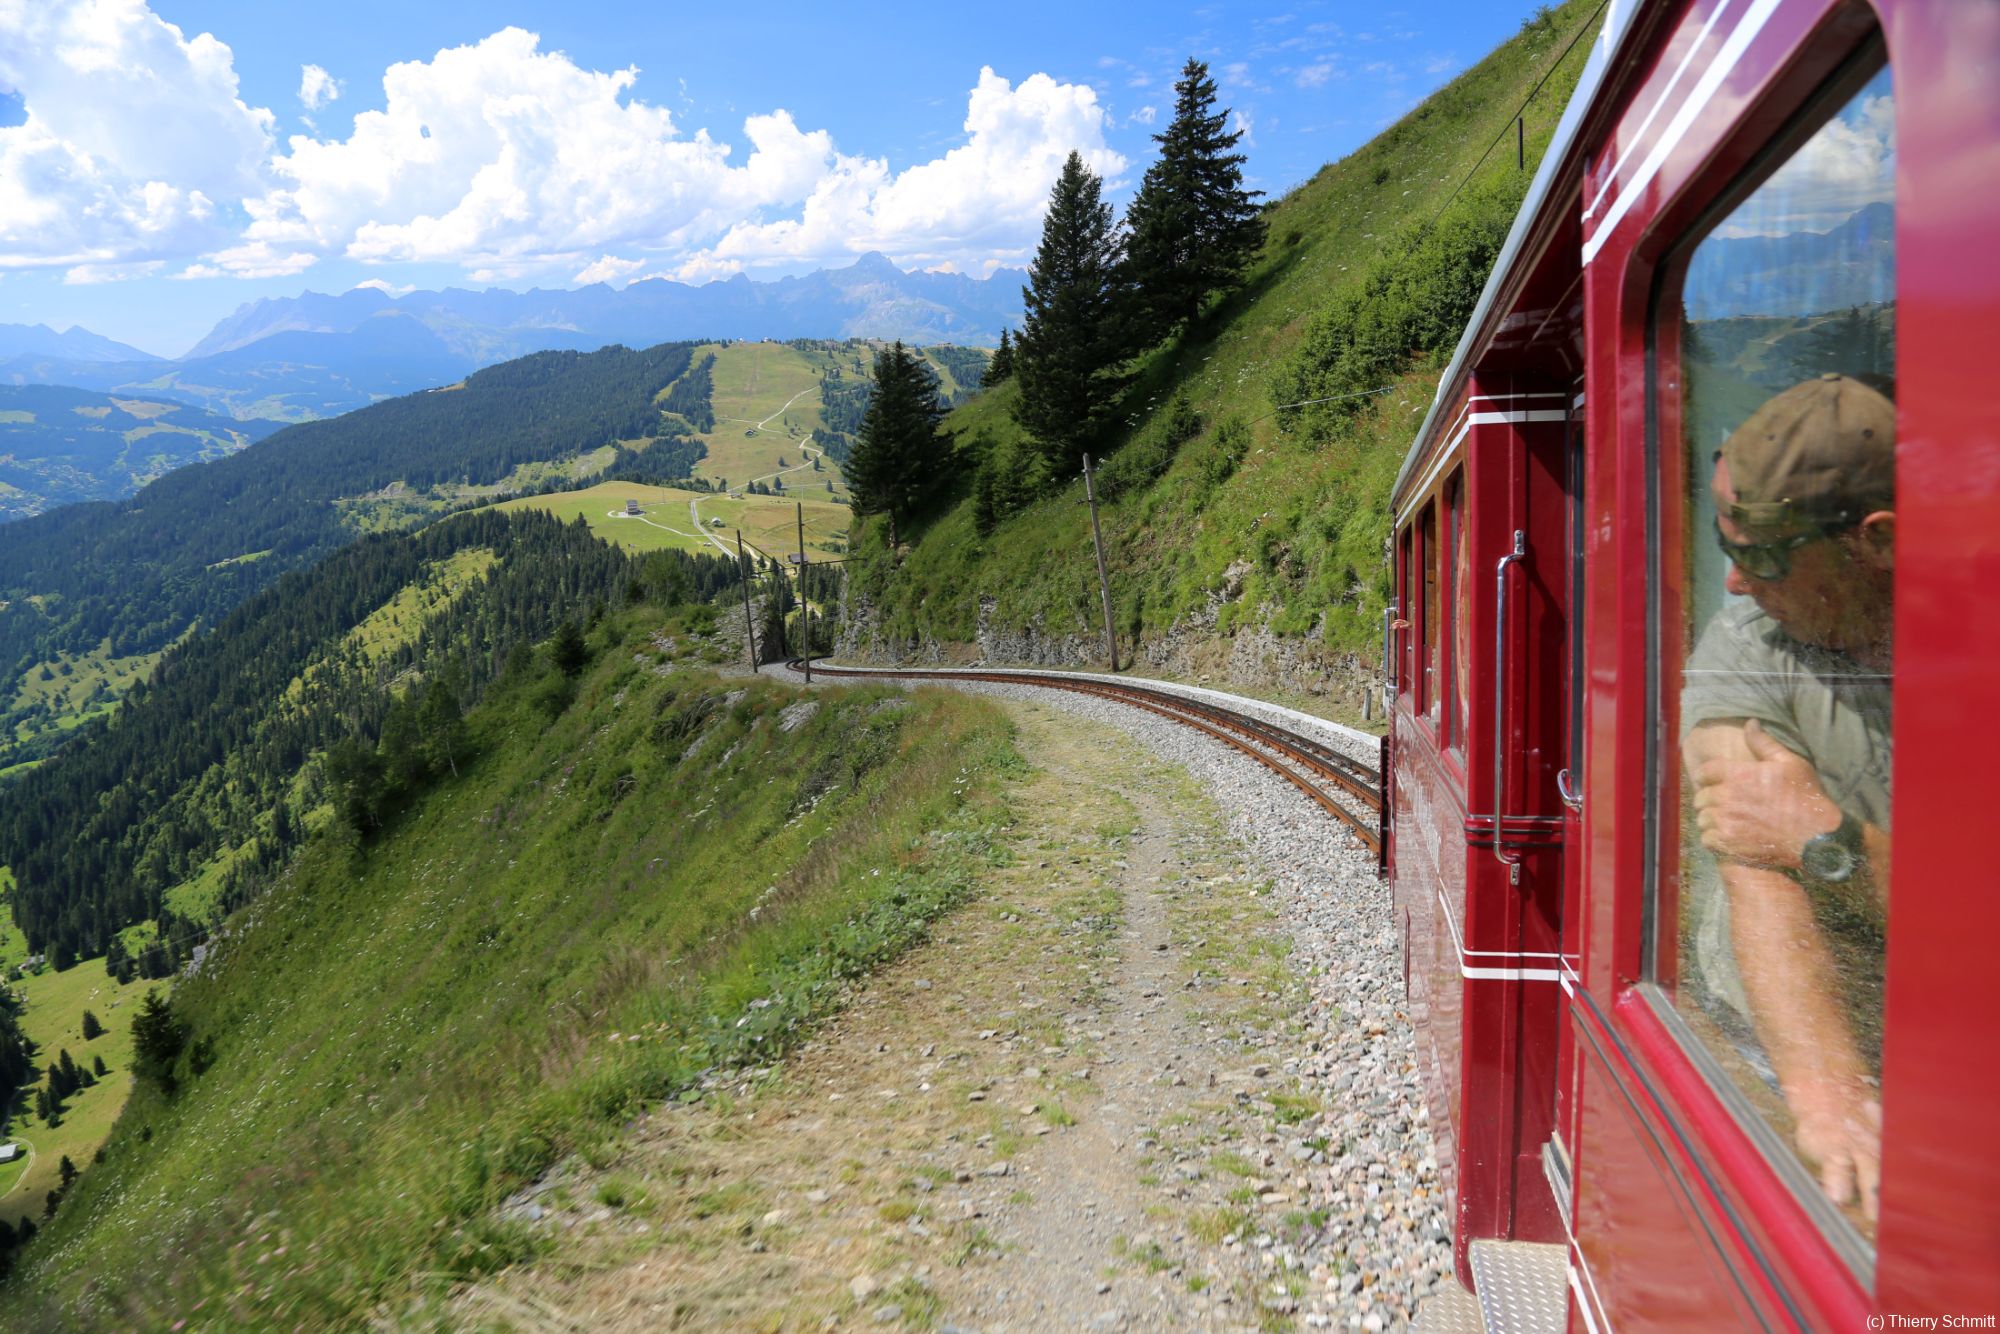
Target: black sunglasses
point(1768, 561)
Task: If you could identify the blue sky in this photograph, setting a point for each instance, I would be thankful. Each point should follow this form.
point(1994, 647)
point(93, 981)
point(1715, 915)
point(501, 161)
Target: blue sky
point(161, 165)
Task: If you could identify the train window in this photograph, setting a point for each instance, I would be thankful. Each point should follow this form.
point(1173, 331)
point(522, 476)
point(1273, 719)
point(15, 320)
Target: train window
point(1458, 598)
point(1771, 945)
point(1427, 541)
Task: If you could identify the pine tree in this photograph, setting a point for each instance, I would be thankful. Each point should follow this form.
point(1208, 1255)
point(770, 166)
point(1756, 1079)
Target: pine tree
point(97, 1067)
point(92, 1027)
point(157, 1039)
point(1002, 364)
point(1071, 344)
point(985, 501)
point(1192, 228)
point(68, 1171)
point(567, 649)
point(899, 452)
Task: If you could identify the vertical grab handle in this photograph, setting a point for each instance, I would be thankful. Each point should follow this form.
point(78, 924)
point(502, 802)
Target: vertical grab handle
point(1389, 653)
point(1510, 861)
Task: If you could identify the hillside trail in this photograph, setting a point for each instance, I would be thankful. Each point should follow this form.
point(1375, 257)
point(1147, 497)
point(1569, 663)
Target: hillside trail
point(1050, 1114)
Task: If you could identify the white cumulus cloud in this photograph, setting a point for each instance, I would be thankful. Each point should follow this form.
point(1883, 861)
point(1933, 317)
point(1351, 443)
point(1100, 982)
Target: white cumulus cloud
point(133, 140)
point(317, 87)
point(499, 157)
point(983, 199)
point(609, 269)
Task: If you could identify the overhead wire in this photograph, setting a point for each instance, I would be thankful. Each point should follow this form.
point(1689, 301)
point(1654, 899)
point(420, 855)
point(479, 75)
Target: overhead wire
point(1588, 25)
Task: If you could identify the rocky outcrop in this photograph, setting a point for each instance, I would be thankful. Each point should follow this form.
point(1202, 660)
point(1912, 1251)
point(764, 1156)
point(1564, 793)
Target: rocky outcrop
point(1249, 656)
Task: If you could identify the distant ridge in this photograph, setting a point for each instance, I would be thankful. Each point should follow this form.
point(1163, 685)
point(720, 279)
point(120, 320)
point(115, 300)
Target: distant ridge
point(75, 343)
point(314, 355)
point(871, 298)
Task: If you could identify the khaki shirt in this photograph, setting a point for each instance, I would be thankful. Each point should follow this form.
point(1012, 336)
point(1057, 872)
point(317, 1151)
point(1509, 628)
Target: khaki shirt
point(1820, 704)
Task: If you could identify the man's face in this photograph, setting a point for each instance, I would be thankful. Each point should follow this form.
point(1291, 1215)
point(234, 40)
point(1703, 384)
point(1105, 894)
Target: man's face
point(1825, 598)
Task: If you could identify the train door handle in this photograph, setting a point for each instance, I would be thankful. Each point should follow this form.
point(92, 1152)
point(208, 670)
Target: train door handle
point(1572, 795)
point(1389, 653)
point(1509, 860)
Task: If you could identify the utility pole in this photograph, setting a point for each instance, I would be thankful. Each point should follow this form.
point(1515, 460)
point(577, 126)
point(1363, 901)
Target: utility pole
point(1103, 578)
point(749, 628)
point(805, 607)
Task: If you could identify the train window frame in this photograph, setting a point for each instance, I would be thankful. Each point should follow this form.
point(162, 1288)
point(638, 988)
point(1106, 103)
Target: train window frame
point(1429, 647)
point(1406, 616)
point(1455, 599)
point(1664, 466)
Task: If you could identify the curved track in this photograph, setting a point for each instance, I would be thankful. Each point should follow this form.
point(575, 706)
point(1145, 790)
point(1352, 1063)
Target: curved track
point(1338, 784)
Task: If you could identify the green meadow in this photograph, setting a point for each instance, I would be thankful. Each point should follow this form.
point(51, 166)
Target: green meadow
point(53, 1021)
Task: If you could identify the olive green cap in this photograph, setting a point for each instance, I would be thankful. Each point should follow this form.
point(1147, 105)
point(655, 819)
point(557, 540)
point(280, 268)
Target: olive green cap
point(1823, 452)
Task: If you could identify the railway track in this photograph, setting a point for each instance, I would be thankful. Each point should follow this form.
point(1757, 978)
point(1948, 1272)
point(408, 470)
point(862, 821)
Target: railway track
point(1345, 788)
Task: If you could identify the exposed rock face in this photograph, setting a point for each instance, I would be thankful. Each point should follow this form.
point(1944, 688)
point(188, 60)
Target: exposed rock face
point(1248, 656)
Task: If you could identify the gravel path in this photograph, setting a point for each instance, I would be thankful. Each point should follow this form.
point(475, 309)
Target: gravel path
point(1362, 1236)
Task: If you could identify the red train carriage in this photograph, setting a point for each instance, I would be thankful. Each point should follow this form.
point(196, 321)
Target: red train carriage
point(1698, 578)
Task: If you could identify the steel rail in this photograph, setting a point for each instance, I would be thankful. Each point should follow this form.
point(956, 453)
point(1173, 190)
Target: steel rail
point(1243, 733)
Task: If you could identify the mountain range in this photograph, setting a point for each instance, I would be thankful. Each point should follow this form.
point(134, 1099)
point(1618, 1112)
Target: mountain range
point(311, 356)
point(1852, 263)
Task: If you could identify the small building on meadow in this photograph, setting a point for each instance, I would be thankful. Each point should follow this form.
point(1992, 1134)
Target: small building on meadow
point(9, 1152)
point(632, 508)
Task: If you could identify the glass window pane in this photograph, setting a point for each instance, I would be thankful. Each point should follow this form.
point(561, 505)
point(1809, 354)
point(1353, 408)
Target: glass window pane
point(1786, 338)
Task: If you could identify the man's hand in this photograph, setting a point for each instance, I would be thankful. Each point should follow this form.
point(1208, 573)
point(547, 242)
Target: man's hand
point(1840, 1132)
point(1761, 811)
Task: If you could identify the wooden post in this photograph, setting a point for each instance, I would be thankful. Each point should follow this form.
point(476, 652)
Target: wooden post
point(805, 607)
point(1103, 578)
point(749, 627)
point(1520, 143)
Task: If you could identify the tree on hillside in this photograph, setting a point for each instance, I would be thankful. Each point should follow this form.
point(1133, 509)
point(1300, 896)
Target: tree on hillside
point(157, 1039)
point(899, 452)
point(441, 720)
point(1072, 343)
point(1192, 228)
point(92, 1026)
point(567, 650)
point(354, 773)
point(1002, 364)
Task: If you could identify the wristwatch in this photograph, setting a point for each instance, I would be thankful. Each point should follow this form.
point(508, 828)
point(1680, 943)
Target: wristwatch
point(1832, 858)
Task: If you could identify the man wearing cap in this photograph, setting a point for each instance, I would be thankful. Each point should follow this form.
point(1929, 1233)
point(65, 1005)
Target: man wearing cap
point(1786, 739)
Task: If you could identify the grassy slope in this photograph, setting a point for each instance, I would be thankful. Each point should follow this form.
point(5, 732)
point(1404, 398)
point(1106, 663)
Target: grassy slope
point(53, 1021)
point(1303, 516)
point(71, 689)
point(769, 524)
point(404, 1035)
point(773, 390)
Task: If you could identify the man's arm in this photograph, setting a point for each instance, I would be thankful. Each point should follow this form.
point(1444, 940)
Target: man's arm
point(1758, 802)
point(1793, 986)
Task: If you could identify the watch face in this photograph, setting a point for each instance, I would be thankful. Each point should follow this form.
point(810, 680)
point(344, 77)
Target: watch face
point(1826, 858)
